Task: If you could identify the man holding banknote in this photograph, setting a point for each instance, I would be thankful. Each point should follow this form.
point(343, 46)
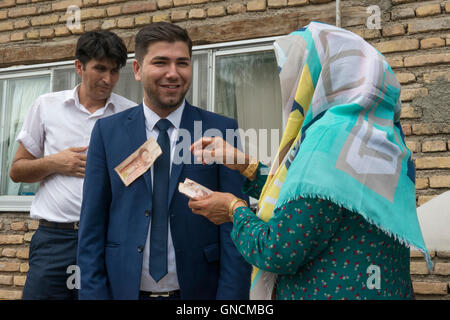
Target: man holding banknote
point(52, 150)
point(138, 239)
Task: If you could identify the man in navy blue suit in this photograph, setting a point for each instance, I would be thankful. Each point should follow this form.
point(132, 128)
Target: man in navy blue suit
point(142, 241)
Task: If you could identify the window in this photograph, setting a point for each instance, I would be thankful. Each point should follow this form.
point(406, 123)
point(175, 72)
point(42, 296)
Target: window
point(238, 79)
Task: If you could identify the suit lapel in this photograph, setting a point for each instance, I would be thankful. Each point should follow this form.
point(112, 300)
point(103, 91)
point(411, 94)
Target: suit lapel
point(135, 128)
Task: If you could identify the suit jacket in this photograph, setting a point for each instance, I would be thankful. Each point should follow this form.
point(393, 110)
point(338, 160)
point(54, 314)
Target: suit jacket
point(115, 219)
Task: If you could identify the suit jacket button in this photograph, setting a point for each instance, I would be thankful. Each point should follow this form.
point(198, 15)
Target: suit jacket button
point(140, 249)
point(147, 213)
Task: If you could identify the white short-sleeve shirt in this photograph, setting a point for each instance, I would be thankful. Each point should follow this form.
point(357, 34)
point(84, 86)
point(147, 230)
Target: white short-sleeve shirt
point(57, 121)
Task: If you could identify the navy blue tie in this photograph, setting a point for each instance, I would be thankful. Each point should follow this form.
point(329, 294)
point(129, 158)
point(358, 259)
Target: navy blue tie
point(158, 232)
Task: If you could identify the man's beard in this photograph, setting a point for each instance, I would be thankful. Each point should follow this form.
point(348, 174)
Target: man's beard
point(165, 106)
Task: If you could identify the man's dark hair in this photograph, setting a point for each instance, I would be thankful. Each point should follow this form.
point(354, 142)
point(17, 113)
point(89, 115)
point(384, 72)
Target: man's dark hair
point(101, 45)
point(159, 31)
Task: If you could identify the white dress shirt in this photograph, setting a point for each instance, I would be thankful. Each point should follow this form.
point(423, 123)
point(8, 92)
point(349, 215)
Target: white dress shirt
point(57, 121)
point(170, 281)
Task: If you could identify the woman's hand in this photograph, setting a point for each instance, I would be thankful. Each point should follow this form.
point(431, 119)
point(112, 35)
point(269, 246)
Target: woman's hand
point(214, 206)
point(215, 149)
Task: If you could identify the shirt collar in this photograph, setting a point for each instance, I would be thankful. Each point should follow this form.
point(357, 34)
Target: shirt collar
point(73, 97)
point(151, 118)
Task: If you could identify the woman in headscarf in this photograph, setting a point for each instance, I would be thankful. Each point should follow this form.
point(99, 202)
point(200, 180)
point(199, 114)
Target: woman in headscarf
point(336, 211)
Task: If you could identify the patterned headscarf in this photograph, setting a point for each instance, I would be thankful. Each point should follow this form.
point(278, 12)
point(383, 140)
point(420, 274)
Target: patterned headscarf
point(343, 141)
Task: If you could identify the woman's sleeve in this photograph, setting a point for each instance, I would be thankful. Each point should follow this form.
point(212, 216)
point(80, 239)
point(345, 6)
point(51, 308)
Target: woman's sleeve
point(293, 236)
point(253, 188)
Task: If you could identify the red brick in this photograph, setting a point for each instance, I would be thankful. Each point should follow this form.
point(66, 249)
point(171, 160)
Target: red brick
point(179, 15)
point(235, 8)
point(197, 13)
point(9, 266)
point(63, 5)
point(418, 268)
point(277, 3)
point(433, 163)
point(436, 76)
point(440, 182)
point(10, 294)
point(434, 146)
point(443, 254)
point(139, 7)
point(414, 146)
point(434, 288)
point(442, 269)
point(397, 45)
point(294, 3)
point(395, 62)
point(432, 43)
point(179, 3)
point(164, 4)
point(393, 30)
point(22, 253)
point(421, 183)
point(430, 128)
point(256, 5)
point(428, 25)
point(22, 12)
point(11, 239)
point(218, 11)
point(411, 94)
point(406, 128)
point(18, 226)
point(428, 10)
point(402, 13)
point(19, 281)
point(405, 77)
point(6, 280)
point(410, 112)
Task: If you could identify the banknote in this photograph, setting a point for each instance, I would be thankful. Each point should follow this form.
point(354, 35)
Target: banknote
point(138, 162)
point(192, 189)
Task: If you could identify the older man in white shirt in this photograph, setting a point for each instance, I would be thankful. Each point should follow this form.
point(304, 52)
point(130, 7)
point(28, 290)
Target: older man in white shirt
point(52, 150)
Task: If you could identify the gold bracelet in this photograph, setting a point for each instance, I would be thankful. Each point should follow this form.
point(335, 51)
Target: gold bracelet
point(251, 168)
point(230, 208)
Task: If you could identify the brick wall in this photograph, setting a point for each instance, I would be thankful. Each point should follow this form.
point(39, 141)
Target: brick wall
point(16, 231)
point(414, 36)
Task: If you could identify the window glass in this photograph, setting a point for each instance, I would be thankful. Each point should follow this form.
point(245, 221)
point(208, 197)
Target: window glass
point(198, 93)
point(17, 95)
point(247, 88)
point(65, 79)
point(127, 86)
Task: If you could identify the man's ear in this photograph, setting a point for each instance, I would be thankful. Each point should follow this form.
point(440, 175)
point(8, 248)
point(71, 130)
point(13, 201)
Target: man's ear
point(137, 70)
point(79, 67)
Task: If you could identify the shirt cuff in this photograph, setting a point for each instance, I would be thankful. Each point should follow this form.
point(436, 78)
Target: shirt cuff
point(28, 142)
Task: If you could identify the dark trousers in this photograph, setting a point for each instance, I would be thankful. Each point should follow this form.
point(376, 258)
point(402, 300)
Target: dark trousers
point(52, 251)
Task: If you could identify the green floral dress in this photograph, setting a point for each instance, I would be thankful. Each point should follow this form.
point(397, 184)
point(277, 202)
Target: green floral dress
point(322, 251)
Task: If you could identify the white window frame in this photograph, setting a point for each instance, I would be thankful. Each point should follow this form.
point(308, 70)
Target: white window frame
point(23, 203)
point(17, 203)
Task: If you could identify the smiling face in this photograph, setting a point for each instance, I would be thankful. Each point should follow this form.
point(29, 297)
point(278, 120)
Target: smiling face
point(166, 75)
point(98, 78)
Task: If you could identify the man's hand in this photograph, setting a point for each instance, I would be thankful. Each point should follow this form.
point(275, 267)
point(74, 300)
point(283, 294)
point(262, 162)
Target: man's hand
point(70, 162)
point(27, 168)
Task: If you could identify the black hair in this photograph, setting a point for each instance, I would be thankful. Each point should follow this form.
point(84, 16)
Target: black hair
point(100, 45)
point(159, 31)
